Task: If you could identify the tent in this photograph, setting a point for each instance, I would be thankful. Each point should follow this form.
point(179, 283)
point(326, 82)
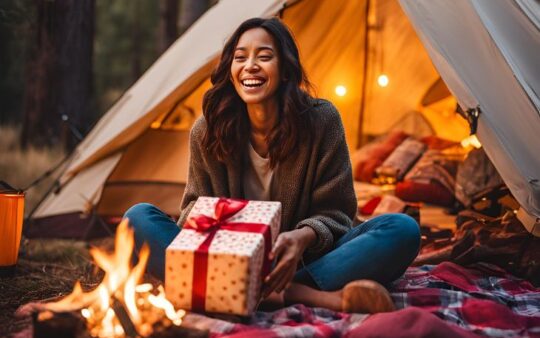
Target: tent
point(487, 53)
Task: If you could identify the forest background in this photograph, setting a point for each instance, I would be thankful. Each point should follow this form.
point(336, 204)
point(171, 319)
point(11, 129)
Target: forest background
point(63, 63)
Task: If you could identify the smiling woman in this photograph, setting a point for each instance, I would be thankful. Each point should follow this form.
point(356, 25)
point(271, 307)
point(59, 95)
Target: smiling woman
point(264, 137)
point(260, 75)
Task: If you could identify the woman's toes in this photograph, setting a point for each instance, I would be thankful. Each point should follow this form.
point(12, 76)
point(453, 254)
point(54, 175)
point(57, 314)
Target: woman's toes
point(366, 296)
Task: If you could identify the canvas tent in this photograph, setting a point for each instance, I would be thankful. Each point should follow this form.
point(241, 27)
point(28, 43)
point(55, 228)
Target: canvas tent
point(486, 54)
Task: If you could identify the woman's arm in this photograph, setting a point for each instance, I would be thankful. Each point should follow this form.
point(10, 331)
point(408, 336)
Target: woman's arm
point(333, 201)
point(333, 205)
point(198, 182)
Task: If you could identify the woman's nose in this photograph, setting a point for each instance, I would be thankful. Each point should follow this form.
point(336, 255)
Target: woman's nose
point(252, 65)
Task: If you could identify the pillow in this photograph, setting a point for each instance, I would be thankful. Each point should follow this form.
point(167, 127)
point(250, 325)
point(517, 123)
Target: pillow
point(436, 166)
point(368, 158)
point(401, 159)
point(433, 193)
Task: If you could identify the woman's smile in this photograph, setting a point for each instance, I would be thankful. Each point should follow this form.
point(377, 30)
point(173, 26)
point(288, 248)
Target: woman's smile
point(253, 82)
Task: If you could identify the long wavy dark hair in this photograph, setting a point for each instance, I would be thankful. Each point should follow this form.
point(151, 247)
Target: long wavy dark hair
point(228, 127)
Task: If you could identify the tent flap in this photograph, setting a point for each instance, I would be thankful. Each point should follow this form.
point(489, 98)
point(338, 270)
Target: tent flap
point(473, 59)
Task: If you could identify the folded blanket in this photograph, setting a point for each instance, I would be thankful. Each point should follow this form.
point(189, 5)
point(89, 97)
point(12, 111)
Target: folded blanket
point(401, 159)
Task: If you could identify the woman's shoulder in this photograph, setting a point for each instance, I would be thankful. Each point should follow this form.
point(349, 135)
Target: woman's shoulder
point(199, 128)
point(323, 113)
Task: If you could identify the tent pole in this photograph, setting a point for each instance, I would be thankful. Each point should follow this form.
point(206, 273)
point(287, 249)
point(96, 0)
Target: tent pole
point(360, 134)
point(54, 184)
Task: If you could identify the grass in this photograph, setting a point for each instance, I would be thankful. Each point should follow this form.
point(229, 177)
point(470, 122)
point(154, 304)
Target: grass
point(19, 167)
point(47, 269)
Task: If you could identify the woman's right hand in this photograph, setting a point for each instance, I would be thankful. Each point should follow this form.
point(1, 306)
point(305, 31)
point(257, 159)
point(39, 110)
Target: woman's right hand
point(288, 251)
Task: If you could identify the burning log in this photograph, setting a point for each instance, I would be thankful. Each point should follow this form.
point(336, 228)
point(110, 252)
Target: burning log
point(73, 325)
point(123, 318)
point(66, 325)
point(119, 306)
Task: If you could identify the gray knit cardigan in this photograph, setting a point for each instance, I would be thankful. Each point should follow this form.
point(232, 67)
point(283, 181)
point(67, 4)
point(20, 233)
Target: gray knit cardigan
point(315, 186)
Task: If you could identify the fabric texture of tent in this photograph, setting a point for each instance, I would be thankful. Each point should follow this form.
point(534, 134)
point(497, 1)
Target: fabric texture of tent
point(139, 149)
point(491, 61)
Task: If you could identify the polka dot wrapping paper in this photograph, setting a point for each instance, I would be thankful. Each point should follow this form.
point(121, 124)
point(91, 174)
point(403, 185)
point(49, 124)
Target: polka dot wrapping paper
point(235, 259)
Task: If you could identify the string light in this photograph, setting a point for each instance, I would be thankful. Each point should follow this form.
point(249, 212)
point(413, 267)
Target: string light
point(341, 90)
point(383, 80)
point(471, 141)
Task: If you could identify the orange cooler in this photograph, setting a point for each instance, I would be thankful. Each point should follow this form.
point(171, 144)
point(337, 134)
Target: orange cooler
point(11, 220)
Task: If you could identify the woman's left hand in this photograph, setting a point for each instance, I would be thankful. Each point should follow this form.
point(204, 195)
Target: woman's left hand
point(288, 250)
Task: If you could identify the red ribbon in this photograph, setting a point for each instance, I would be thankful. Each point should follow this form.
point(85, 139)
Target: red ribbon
point(224, 209)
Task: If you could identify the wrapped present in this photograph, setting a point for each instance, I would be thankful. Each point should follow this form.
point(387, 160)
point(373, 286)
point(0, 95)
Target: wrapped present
point(219, 259)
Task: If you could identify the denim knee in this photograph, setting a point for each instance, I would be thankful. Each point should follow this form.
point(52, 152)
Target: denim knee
point(408, 231)
point(137, 213)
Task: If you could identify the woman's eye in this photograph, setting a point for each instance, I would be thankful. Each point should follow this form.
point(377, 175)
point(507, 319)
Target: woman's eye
point(239, 57)
point(265, 57)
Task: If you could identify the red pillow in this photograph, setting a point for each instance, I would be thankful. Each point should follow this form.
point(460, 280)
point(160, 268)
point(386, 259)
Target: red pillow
point(433, 193)
point(368, 158)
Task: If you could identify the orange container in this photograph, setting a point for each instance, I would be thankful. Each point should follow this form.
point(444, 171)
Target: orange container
point(11, 220)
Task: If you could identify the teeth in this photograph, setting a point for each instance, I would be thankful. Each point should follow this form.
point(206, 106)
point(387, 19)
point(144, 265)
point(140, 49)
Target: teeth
point(251, 82)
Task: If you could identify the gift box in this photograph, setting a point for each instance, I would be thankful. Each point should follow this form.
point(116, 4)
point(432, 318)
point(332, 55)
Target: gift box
point(219, 259)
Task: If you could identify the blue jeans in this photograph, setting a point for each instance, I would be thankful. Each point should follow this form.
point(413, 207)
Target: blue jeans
point(379, 249)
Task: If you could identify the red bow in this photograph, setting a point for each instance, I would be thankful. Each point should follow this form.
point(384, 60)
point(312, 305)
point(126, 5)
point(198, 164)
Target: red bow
point(225, 208)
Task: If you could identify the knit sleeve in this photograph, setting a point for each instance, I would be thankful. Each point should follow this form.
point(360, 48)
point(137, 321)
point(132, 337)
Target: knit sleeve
point(333, 201)
point(198, 182)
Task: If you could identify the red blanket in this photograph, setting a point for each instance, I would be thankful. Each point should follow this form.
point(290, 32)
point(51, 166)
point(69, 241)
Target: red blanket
point(442, 301)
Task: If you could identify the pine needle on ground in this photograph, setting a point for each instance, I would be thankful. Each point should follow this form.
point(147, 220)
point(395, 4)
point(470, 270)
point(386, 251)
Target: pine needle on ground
point(46, 269)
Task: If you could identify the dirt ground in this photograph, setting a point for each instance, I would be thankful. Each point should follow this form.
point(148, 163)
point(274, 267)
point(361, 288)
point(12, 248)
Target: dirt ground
point(46, 269)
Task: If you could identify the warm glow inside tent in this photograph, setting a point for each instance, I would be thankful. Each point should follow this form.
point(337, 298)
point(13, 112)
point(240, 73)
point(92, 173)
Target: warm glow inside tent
point(139, 150)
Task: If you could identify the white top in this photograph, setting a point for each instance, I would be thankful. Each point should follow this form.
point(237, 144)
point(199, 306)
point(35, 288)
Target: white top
point(258, 177)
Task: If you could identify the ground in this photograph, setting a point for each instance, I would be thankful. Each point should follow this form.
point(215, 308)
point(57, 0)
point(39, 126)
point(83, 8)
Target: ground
point(46, 269)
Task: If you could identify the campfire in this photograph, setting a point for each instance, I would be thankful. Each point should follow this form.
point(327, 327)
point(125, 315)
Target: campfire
point(119, 306)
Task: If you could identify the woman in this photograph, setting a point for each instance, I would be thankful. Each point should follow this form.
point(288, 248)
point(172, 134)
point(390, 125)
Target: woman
point(263, 137)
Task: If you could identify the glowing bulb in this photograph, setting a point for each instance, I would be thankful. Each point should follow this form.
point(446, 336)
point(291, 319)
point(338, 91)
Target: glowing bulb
point(382, 80)
point(341, 90)
point(471, 141)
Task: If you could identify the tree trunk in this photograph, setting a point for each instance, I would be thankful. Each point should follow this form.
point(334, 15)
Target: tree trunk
point(59, 73)
point(168, 23)
point(136, 51)
point(190, 11)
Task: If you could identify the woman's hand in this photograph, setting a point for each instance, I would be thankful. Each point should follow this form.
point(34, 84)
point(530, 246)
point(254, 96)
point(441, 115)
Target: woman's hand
point(288, 250)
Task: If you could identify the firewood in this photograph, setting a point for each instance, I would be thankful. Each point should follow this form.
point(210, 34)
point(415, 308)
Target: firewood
point(61, 325)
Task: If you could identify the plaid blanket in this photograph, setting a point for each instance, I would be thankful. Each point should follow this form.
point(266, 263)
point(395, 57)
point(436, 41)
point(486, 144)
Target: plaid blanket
point(483, 299)
point(434, 301)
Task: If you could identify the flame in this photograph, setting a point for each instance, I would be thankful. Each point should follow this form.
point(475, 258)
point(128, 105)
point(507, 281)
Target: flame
point(161, 302)
point(120, 284)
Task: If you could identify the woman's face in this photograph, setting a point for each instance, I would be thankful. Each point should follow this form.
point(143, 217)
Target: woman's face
point(255, 67)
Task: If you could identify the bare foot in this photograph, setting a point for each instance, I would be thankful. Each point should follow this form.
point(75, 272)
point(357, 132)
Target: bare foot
point(366, 296)
point(361, 296)
point(303, 294)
